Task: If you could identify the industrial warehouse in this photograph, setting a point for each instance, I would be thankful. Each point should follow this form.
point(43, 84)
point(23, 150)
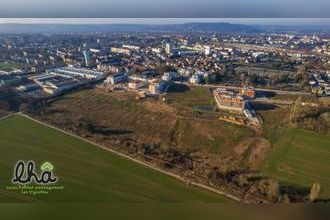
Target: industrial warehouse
point(57, 81)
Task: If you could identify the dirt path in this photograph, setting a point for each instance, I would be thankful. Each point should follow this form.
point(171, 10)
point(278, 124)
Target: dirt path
point(7, 116)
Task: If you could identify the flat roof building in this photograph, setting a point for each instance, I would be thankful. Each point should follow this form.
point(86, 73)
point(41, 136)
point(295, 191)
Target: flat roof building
point(229, 100)
point(117, 78)
point(72, 71)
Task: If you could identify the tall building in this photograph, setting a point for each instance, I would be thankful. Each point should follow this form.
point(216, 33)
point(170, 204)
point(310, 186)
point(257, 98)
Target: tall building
point(87, 57)
point(207, 50)
point(168, 48)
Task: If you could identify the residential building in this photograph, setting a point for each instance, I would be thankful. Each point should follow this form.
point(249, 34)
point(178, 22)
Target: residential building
point(229, 100)
point(135, 84)
point(157, 87)
point(197, 78)
point(169, 48)
point(168, 76)
point(117, 78)
point(249, 92)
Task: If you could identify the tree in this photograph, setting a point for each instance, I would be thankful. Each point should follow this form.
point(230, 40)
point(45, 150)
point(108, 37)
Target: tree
point(209, 79)
point(315, 192)
point(218, 77)
point(4, 105)
point(24, 107)
point(253, 79)
point(285, 198)
point(301, 77)
point(295, 109)
point(273, 189)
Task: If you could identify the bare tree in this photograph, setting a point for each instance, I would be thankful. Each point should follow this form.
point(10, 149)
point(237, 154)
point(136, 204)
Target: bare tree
point(273, 189)
point(315, 192)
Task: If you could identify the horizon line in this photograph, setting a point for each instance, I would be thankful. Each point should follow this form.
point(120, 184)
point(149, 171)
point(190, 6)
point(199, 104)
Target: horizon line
point(167, 21)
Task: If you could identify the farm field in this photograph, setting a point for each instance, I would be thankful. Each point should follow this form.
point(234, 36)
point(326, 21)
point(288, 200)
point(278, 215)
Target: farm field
point(88, 173)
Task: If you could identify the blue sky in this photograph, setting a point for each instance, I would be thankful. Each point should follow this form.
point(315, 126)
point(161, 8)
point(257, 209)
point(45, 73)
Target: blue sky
point(165, 8)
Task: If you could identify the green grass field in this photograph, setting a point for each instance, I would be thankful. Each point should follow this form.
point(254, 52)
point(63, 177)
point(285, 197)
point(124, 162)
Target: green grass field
point(88, 173)
point(301, 158)
point(5, 65)
point(196, 100)
point(298, 158)
point(192, 97)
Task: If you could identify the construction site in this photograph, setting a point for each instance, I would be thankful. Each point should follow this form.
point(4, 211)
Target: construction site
point(229, 100)
point(235, 106)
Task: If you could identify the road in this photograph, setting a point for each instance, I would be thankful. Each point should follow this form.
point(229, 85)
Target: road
point(274, 101)
point(222, 193)
point(279, 92)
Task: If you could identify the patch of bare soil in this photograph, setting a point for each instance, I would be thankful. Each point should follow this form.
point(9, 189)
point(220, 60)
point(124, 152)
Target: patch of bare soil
point(258, 153)
point(253, 151)
point(243, 146)
point(159, 107)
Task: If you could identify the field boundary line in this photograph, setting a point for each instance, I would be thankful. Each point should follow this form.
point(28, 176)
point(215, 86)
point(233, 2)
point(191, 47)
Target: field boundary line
point(200, 185)
point(8, 116)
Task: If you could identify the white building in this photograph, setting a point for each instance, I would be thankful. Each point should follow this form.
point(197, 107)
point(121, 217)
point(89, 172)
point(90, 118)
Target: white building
point(185, 72)
point(135, 84)
point(169, 48)
point(327, 90)
point(197, 78)
point(157, 87)
point(168, 76)
point(117, 78)
point(131, 47)
point(120, 50)
point(80, 72)
point(156, 50)
point(207, 50)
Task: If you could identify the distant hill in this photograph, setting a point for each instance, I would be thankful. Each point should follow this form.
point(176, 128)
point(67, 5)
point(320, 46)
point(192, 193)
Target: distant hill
point(75, 28)
point(222, 28)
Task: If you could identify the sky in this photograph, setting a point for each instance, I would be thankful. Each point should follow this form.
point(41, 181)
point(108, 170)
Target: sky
point(252, 21)
point(165, 8)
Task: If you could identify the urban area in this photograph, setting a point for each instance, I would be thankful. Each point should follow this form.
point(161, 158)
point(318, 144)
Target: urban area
point(216, 108)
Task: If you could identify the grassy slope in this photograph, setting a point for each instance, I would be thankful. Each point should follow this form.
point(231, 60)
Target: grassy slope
point(5, 65)
point(88, 173)
point(120, 111)
point(213, 133)
point(299, 158)
point(195, 96)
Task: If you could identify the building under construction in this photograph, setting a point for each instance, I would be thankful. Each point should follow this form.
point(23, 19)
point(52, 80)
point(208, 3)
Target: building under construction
point(229, 100)
point(249, 92)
